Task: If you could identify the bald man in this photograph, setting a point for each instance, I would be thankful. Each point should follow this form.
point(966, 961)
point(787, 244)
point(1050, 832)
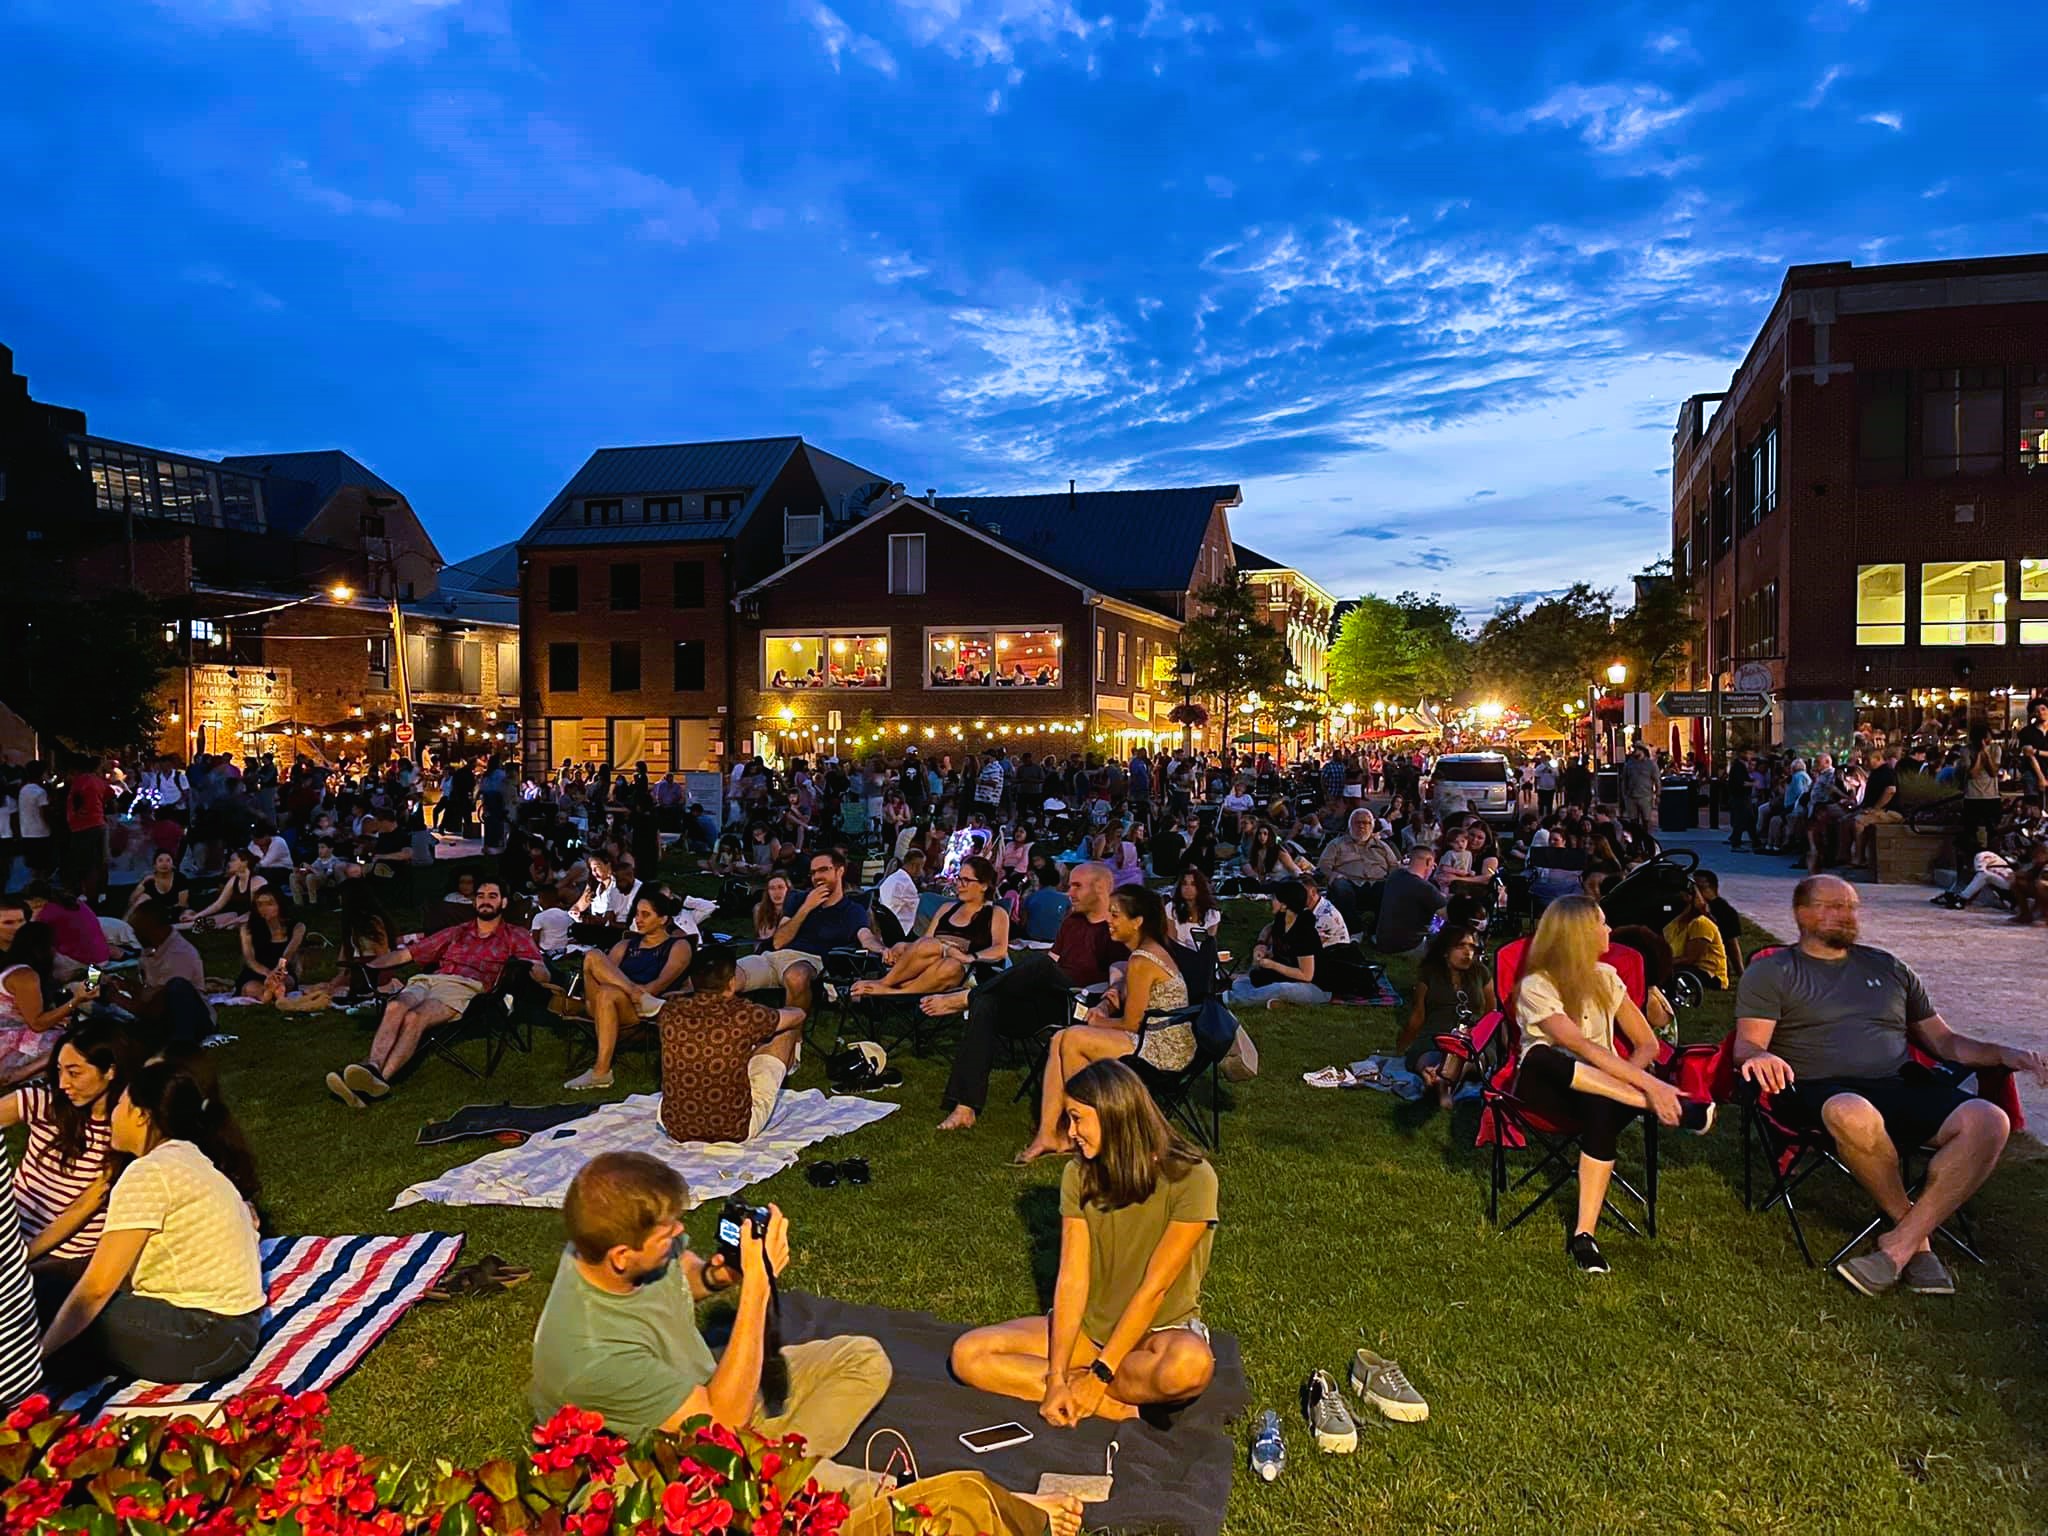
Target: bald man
point(1826, 1028)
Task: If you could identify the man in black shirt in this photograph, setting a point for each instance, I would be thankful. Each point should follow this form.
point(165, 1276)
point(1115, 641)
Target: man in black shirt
point(1408, 900)
point(1880, 807)
point(2033, 745)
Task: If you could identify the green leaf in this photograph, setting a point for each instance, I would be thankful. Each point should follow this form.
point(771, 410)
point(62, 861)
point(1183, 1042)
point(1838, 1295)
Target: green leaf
point(460, 1520)
point(500, 1479)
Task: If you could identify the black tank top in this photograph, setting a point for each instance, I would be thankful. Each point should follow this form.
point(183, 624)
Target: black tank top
point(977, 933)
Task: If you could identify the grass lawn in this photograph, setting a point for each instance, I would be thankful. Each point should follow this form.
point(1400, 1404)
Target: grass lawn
point(1711, 1383)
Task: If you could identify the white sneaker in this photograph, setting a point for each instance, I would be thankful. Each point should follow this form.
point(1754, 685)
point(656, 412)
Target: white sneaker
point(583, 1082)
point(1330, 1077)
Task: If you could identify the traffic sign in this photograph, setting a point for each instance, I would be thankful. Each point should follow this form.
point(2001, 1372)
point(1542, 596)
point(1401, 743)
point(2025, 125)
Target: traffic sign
point(1683, 706)
point(511, 733)
point(1745, 705)
point(402, 733)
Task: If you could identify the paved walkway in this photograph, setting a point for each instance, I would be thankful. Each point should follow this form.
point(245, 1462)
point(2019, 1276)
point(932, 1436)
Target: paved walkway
point(1983, 973)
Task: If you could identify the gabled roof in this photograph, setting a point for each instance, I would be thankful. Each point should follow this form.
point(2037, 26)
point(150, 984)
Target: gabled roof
point(1118, 541)
point(748, 465)
point(323, 472)
point(495, 570)
point(1248, 559)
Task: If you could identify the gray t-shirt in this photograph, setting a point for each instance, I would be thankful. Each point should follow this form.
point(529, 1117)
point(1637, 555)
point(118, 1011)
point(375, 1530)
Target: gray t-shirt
point(1835, 1018)
point(1407, 903)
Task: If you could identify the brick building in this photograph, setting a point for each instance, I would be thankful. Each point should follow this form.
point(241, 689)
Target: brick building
point(1863, 512)
point(1302, 613)
point(625, 588)
point(922, 626)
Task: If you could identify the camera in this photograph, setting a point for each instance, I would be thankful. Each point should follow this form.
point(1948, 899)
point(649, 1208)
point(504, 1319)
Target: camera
point(733, 1218)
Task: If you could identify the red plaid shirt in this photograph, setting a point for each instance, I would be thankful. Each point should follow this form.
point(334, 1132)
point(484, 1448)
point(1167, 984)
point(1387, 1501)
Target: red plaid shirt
point(462, 951)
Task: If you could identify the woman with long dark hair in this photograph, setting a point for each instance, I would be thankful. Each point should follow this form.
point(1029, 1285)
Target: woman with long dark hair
point(1193, 911)
point(1453, 991)
point(67, 1167)
point(270, 947)
point(174, 1289)
point(769, 911)
point(164, 883)
point(231, 904)
point(28, 1022)
point(1137, 1222)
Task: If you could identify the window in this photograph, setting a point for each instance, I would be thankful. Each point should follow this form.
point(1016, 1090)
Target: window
point(1276, 594)
point(825, 660)
point(1962, 421)
point(689, 583)
point(183, 492)
point(628, 743)
point(2033, 390)
point(1880, 605)
point(598, 514)
point(625, 666)
point(1699, 534)
point(625, 588)
point(564, 667)
point(906, 564)
point(1962, 602)
point(993, 658)
point(1763, 476)
point(726, 504)
point(2034, 589)
point(508, 667)
point(662, 509)
point(1123, 671)
point(1723, 497)
point(1101, 654)
point(379, 647)
point(241, 502)
point(1759, 636)
point(689, 666)
point(562, 594)
point(373, 525)
point(1724, 648)
point(1883, 407)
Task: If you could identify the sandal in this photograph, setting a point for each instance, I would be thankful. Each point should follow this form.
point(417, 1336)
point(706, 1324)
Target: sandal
point(822, 1175)
point(488, 1274)
point(855, 1171)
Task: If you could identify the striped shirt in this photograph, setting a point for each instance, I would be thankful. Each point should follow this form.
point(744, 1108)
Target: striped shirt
point(46, 1185)
point(21, 1355)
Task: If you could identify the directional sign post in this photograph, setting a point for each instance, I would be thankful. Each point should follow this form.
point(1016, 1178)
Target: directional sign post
point(1687, 706)
point(1745, 706)
point(1730, 705)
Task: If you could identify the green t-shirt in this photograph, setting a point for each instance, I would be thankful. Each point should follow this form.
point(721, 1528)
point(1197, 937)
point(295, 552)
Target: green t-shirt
point(1121, 1244)
point(632, 1358)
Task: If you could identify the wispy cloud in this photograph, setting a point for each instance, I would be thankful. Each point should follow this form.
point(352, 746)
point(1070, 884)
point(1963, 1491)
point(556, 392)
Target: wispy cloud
point(299, 181)
point(1673, 40)
point(1612, 118)
point(991, 31)
point(1383, 57)
point(1822, 86)
point(382, 24)
point(1892, 120)
point(840, 39)
point(1220, 186)
point(207, 275)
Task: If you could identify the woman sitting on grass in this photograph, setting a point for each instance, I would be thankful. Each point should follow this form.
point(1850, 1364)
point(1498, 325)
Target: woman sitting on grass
point(1453, 991)
point(164, 883)
point(972, 928)
point(1569, 1004)
point(1267, 859)
point(1118, 1025)
point(174, 1289)
point(270, 947)
point(66, 1168)
point(1137, 1222)
point(1284, 960)
point(28, 1024)
point(237, 893)
point(626, 988)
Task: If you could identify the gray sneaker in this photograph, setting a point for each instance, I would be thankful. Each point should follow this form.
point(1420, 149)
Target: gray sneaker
point(1873, 1274)
point(1323, 1405)
point(1925, 1275)
point(1381, 1383)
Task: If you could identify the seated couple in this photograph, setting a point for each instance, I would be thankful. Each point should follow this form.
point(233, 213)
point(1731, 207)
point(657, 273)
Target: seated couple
point(970, 929)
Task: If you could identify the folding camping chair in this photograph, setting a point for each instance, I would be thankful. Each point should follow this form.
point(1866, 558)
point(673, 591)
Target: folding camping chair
point(1215, 1029)
point(502, 1018)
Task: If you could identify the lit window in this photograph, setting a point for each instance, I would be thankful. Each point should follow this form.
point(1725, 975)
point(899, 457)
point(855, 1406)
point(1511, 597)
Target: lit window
point(825, 661)
point(993, 658)
point(1880, 605)
point(1962, 602)
point(2033, 383)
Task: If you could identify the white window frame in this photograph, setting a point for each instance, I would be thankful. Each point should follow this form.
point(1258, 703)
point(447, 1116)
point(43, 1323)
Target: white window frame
point(911, 587)
point(989, 632)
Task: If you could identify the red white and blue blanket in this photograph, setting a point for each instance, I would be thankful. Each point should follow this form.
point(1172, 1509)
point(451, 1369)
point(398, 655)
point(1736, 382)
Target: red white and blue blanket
point(330, 1300)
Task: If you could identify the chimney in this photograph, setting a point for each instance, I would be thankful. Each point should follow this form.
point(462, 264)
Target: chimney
point(1070, 498)
point(931, 495)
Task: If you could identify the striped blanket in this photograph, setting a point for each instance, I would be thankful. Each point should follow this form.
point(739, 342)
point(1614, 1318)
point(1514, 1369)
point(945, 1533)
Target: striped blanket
point(330, 1300)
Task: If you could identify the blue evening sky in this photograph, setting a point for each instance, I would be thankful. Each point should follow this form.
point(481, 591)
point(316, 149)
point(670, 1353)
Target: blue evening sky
point(1428, 279)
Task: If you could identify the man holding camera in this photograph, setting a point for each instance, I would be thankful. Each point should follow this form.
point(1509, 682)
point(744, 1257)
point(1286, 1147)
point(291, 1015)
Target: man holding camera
point(619, 1337)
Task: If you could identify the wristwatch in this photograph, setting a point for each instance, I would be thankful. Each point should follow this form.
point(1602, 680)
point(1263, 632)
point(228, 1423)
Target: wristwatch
point(1102, 1373)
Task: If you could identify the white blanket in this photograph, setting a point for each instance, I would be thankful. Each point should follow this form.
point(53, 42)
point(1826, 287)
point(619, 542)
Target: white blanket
point(538, 1173)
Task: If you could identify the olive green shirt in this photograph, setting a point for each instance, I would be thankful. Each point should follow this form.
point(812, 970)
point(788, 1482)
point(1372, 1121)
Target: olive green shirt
point(1121, 1244)
point(632, 1358)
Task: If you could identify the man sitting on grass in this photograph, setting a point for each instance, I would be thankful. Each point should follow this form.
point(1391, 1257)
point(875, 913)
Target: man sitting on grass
point(619, 1332)
point(723, 1059)
point(1826, 1028)
point(461, 962)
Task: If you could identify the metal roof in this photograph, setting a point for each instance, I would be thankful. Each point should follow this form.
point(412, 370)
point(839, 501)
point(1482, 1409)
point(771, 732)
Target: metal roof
point(326, 471)
point(1118, 541)
point(495, 570)
point(749, 464)
point(1248, 559)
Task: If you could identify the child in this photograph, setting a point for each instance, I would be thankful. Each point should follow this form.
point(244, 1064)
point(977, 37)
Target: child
point(326, 871)
point(552, 922)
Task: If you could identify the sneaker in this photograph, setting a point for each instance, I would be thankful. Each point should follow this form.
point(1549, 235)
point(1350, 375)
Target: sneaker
point(1323, 1405)
point(1269, 1451)
point(1873, 1274)
point(1329, 1077)
point(365, 1079)
point(583, 1082)
point(1586, 1254)
point(1381, 1383)
point(338, 1086)
point(1696, 1116)
point(1925, 1275)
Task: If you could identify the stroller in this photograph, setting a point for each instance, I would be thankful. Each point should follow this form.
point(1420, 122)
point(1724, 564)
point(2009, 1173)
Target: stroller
point(1649, 896)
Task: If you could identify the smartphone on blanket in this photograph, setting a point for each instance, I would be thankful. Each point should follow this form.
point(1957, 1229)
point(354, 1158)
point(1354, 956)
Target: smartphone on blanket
point(997, 1437)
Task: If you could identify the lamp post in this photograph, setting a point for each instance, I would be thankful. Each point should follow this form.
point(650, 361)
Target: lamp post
point(1617, 676)
point(1186, 678)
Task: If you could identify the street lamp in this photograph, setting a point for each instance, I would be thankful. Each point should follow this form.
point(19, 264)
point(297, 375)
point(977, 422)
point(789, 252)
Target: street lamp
point(1186, 678)
point(1617, 675)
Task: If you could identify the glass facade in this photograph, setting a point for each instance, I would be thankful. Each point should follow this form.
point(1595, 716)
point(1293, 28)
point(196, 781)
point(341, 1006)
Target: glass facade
point(128, 482)
point(994, 658)
point(825, 661)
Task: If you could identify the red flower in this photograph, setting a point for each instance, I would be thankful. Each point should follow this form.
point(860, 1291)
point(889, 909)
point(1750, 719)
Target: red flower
point(31, 1411)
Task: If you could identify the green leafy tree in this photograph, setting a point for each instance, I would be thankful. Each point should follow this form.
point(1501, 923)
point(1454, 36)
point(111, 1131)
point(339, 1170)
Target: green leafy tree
point(1230, 648)
point(1544, 655)
point(86, 671)
point(1652, 637)
point(1401, 649)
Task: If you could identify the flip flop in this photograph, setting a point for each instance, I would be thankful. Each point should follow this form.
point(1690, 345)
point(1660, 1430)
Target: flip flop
point(822, 1175)
point(855, 1171)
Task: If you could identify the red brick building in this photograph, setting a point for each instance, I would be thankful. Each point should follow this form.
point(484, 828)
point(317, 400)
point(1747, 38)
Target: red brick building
point(1864, 510)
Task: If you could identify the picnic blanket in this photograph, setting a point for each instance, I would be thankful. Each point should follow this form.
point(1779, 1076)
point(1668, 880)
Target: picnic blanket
point(330, 1300)
point(538, 1174)
point(1167, 1480)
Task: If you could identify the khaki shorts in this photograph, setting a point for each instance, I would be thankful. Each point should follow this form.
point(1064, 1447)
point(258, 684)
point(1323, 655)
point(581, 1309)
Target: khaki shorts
point(454, 993)
point(1879, 819)
point(767, 970)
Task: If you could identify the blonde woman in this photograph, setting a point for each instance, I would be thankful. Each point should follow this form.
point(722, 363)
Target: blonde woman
point(1571, 1007)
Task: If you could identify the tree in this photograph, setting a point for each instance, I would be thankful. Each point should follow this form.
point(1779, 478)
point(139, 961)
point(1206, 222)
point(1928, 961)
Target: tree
point(86, 671)
point(1230, 648)
point(1403, 648)
point(1545, 655)
point(1652, 637)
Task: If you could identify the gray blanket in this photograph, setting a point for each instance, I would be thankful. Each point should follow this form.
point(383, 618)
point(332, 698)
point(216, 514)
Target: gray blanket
point(1172, 1480)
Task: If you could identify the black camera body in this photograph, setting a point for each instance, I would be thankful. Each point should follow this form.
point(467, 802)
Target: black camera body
point(734, 1217)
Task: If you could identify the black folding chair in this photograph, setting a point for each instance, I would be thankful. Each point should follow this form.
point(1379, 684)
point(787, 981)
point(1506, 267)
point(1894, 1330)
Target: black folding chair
point(500, 1019)
point(1215, 1033)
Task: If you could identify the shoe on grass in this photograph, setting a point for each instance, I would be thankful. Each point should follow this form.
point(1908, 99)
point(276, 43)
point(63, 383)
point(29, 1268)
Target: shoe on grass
point(338, 1086)
point(1329, 1077)
point(1925, 1275)
point(1329, 1419)
point(365, 1079)
point(584, 1082)
point(1382, 1384)
point(1872, 1273)
point(1586, 1254)
point(1269, 1451)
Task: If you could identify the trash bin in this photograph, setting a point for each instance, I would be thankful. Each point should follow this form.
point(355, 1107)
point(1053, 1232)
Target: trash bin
point(1607, 786)
point(1677, 809)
